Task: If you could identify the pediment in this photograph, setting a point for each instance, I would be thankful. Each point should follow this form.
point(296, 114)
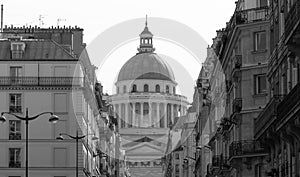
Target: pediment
point(144, 148)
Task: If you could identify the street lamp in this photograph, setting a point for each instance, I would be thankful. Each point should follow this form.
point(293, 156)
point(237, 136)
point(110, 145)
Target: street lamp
point(77, 138)
point(53, 119)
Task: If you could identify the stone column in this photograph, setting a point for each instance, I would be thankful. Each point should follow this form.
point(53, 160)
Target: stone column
point(150, 114)
point(142, 115)
point(120, 115)
point(172, 113)
point(157, 115)
point(181, 110)
point(166, 115)
point(133, 114)
point(126, 115)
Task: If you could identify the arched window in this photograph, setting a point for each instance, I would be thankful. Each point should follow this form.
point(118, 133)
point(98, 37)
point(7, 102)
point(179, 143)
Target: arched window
point(167, 89)
point(146, 88)
point(174, 90)
point(124, 89)
point(117, 90)
point(134, 88)
point(157, 88)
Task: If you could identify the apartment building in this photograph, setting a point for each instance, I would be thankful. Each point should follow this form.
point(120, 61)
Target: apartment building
point(48, 70)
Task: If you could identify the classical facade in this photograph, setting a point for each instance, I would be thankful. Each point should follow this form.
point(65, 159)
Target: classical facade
point(147, 105)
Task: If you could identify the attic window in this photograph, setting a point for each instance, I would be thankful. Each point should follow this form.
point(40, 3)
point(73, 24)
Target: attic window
point(17, 50)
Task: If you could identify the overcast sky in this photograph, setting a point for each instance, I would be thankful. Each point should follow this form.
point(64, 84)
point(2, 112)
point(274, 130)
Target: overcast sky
point(96, 16)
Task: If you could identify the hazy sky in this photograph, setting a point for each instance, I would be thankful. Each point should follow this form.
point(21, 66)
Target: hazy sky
point(96, 16)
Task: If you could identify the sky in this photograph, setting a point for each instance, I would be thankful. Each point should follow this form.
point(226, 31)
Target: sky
point(96, 17)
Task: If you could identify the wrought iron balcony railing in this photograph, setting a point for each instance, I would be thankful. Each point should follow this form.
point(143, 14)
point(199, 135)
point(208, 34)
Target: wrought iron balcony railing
point(245, 148)
point(245, 17)
point(292, 18)
point(14, 164)
point(41, 81)
point(252, 15)
point(289, 102)
point(15, 109)
point(266, 116)
point(14, 136)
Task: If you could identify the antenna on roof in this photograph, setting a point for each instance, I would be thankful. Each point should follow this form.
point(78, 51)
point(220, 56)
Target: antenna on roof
point(41, 22)
point(1, 18)
point(59, 20)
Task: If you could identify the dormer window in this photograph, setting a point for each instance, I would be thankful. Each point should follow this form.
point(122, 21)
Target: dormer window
point(17, 50)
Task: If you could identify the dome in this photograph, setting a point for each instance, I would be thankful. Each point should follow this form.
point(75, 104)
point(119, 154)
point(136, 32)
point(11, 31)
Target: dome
point(146, 66)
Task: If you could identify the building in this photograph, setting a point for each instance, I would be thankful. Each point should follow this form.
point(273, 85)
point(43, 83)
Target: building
point(242, 50)
point(209, 96)
point(147, 105)
point(48, 70)
point(277, 127)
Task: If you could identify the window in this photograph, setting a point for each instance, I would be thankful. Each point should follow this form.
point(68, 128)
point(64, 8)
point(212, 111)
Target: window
point(174, 90)
point(260, 41)
point(258, 172)
point(17, 50)
point(117, 90)
point(146, 109)
point(60, 103)
point(14, 158)
point(157, 88)
point(146, 88)
point(177, 168)
point(124, 89)
point(134, 88)
point(15, 73)
point(14, 130)
point(262, 3)
point(15, 103)
point(176, 156)
point(260, 84)
point(167, 89)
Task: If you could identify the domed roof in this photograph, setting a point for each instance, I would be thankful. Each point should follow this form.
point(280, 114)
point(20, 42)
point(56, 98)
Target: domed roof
point(146, 66)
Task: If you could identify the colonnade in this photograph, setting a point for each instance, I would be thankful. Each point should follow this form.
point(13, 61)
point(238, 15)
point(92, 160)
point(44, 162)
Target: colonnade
point(148, 114)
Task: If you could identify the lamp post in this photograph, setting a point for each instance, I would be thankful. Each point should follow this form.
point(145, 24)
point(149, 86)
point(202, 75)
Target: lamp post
point(53, 119)
point(77, 138)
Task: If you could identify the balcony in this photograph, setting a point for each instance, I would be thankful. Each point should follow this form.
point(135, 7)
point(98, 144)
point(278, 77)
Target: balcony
point(288, 103)
point(245, 148)
point(292, 19)
point(14, 164)
point(41, 81)
point(245, 17)
point(237, 105)
point(252, 15)
point(14, 136)
point(267, 115)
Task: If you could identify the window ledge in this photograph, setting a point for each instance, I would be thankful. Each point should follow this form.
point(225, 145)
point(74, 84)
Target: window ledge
point(259, 51)
point(260, 95)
